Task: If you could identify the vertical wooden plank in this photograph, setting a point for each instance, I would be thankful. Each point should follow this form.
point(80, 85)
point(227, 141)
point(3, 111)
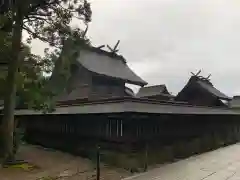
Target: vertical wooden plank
point(66, 126)
point(137, 130)
point(106, 129)
point(117, 122)
point(121, 127)
point(110, 127)
point(63, 126)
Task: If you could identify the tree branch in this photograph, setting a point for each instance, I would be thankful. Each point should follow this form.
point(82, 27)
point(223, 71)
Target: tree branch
point(34, 34)
point(39, 14)
point(34, 18)
point(40, 4)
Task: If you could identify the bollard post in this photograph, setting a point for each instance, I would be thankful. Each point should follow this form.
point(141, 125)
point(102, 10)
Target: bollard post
point(146, 158)
point(98, 163)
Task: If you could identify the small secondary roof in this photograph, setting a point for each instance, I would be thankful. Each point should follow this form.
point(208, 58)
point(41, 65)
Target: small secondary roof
point(235, 102)
point(149, 91)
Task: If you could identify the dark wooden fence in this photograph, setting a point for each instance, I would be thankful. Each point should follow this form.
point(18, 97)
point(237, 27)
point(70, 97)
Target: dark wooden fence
point(124, 137)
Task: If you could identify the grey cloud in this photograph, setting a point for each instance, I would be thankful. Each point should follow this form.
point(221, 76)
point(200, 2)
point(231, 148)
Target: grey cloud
point(164, 40)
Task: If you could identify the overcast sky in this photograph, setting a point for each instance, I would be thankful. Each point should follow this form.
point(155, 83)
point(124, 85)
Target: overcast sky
point(165, 40)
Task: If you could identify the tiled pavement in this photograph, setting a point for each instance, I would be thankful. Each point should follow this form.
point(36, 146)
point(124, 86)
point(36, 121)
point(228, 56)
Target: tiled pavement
point(221, 164)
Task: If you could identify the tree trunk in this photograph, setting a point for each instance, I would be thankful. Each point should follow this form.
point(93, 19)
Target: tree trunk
point(10, 94)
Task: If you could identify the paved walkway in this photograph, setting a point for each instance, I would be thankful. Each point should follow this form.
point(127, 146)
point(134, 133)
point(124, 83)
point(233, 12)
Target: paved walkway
point(221, 164)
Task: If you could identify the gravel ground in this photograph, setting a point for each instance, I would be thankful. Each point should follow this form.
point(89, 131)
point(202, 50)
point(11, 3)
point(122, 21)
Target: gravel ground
point(57, 165)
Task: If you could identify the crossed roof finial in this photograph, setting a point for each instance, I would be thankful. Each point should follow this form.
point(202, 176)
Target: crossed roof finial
point(201, 77)
point(114, 50)
point(196, 73)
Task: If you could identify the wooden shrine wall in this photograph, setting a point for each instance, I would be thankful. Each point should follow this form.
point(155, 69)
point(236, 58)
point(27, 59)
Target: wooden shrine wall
point(131, 128)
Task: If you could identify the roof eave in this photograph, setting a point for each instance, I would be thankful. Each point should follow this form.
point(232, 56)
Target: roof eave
point(225, 98)
point(138, 83)
point(133, 105)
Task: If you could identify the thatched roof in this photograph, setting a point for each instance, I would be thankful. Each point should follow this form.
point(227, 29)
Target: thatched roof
point(94, 60)
point(198, 82)
point(107, 64)
point(211, 89)
point(153, 91)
